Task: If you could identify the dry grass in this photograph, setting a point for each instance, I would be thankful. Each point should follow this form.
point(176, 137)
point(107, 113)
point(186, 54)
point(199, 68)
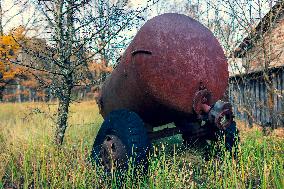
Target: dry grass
point(28, 158)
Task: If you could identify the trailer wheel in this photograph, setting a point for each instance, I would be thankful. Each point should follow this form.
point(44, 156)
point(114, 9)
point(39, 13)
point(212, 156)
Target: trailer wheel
point(195, 135)
point(230, 136)
point(121, 137)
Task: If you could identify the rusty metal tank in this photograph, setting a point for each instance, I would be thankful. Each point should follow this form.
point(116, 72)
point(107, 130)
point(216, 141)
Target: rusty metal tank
point(169, 61)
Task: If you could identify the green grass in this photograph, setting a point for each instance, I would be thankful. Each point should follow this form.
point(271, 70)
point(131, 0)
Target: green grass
point(28, 158)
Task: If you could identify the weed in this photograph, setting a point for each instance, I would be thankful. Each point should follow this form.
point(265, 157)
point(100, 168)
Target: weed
point(28, 158)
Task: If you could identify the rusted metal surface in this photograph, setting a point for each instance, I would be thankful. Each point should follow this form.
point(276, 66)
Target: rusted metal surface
point(202, 101)
point(220, 113)
point(170, 59)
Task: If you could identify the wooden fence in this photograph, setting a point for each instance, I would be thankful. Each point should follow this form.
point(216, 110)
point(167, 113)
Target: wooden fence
point(258, 97)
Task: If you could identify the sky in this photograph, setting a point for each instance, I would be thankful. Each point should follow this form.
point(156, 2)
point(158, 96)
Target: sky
point(11, 11)
point(25, 17)
point(168, 5)
point(161, 7)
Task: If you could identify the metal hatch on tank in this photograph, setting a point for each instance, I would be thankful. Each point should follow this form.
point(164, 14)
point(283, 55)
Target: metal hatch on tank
point(174, 70)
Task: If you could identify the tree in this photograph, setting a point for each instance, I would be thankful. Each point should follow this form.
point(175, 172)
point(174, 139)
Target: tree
point(10, 11)
point(74, 31)
point(9, 49)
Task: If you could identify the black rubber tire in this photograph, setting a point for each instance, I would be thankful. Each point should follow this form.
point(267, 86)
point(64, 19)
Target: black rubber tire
point(231, 137)
point(129, 128)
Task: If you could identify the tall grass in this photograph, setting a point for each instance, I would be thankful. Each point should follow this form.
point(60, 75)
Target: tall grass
point(28, 158)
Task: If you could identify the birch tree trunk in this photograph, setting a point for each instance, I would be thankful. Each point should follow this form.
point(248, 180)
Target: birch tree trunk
point(63, 110)
point(65, 38)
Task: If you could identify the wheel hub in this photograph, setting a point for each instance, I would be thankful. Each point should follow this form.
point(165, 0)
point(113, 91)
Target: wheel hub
point(113, 153)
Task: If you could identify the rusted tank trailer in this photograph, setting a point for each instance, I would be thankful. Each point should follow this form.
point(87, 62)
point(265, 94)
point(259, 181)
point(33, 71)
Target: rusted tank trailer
point(174, 70)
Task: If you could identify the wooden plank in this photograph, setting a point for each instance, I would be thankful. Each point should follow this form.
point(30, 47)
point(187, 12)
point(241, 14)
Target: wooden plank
point(245, 99)
point(242, 99)
point(167, 132)
point(261, 117)
point(235, 98)
point(278, 92)
point(266, 103)
point(232, 96)
point(257, 100)
point(278, 95)
point(282, 91)
point(249, 99)
point(282, 97)
point(275, 112)
point(274, 82)
point(253, 99)
point(239, 99)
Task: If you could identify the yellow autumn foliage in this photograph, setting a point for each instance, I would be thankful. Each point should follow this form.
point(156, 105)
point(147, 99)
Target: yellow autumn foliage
point(9, 48)
point(100, 67)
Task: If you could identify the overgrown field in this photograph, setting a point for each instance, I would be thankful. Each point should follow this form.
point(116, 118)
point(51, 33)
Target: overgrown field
point(28, 158)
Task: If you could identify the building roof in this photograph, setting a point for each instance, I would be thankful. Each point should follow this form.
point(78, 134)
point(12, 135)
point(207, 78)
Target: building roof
point(263, 26)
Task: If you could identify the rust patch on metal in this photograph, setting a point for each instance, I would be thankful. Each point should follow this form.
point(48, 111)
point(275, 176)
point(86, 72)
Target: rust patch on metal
point(201, 101)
